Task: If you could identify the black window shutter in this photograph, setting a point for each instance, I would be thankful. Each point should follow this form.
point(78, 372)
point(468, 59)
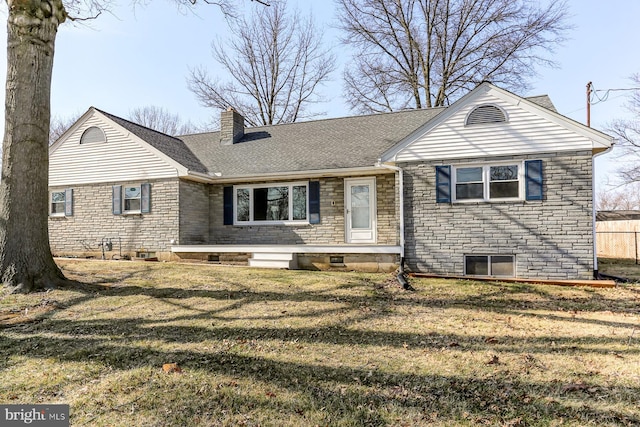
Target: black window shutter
point(443, 184)
point(314, 202)
point(228, 205)
point(117, 200)
point(533, 179)
point(145, 198)
point(68, 202)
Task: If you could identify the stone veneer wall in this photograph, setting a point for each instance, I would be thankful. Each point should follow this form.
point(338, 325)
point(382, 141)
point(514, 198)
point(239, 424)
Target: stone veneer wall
point(329, 231)
point(551, 238)
point(194, 213)
point(93, 219)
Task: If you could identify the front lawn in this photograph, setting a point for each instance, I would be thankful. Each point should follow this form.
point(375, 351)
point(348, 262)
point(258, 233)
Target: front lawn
point(296, 348)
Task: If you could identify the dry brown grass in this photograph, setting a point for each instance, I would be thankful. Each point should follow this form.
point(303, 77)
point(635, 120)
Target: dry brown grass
point(293, 348)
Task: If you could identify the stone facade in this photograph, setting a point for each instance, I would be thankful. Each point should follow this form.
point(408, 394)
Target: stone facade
point(93, 220)
point(194, 213)
point(551, 239)
point(331, 229)
point(191, 213)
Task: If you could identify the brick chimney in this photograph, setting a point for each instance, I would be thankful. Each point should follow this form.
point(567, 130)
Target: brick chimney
point(231, 127)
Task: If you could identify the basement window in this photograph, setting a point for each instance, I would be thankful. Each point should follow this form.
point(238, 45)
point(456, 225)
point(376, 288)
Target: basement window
point(489, 265)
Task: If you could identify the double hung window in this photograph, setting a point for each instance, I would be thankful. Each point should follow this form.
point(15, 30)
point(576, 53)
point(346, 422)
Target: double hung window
point(131, 199)
point(488, 182)
point(61, 203)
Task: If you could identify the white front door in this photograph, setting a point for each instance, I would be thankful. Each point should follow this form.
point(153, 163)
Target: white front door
point(360, 210)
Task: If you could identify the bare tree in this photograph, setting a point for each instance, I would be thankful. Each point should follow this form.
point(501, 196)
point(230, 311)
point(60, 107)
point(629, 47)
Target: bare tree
point(59, 125)
point(626, 198)
point(26, 262)
point(160, 119)
point(276, 61)
point(628, 133)
point(427, 53)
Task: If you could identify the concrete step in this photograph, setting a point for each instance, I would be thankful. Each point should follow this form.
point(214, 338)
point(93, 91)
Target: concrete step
point(284, 256)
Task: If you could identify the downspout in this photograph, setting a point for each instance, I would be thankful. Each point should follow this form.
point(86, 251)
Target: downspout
point(402, 278)
point(596, 275)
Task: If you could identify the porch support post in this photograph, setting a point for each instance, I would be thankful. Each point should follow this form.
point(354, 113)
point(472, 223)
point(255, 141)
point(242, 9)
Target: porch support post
point(400, 201)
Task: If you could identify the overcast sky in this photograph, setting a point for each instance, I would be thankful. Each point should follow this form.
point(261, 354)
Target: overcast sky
point(138, 57)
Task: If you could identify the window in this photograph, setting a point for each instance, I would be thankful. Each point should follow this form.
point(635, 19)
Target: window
point(131, 199)
point(62, 202)
point(488, 182)
point(93, 135)
point(489, 265)
point(281, 203)
point(501, 181)
point(57, 203)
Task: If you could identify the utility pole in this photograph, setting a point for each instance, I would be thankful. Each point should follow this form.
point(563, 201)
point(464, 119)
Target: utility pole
point(589, 89)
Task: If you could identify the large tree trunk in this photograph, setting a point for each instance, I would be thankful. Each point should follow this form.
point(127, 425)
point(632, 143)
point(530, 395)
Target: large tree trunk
point(26, 262)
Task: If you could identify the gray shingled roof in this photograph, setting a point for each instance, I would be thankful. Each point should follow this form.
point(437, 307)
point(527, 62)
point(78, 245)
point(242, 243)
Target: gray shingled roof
point(315, 145)
point(339, 143)
point(169, 145)
point(617, 215)
point(543, 101)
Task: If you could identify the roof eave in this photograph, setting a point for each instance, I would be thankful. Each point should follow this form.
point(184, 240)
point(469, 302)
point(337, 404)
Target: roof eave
point(290, 175)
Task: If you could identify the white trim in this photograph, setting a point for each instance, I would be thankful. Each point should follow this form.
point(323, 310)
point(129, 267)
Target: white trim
point(124, 199)
point(486, 181)
point(400, 191)
point(58, 214)
point(299, 249)
point(253, 222)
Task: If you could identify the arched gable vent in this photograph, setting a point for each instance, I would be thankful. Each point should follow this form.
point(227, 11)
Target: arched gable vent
point(92, 135)
point(485, 114)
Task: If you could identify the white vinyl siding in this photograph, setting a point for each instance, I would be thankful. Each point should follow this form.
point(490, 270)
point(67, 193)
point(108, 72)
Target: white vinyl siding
point(526, 132)
point(121, 158)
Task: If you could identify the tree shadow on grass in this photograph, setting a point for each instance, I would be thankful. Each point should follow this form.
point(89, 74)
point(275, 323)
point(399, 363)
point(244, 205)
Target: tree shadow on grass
point(367, 396)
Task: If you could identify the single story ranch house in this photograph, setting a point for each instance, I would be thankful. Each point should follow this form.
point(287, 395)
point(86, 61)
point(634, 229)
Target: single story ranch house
point(493, 185)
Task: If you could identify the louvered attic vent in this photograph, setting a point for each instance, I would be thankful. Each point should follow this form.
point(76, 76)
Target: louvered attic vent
point(485, 114)
point(92, 135)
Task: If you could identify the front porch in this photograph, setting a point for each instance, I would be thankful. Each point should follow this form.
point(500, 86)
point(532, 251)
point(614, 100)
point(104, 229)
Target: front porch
point(308, 257)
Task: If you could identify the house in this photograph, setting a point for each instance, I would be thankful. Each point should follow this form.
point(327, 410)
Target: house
point(493, 185)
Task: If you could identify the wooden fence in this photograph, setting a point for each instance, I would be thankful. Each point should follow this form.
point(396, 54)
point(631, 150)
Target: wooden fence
point(618, 239)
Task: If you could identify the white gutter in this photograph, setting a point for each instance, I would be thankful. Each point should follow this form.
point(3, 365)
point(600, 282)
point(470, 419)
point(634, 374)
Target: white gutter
point(593, 201)
point(401, 202)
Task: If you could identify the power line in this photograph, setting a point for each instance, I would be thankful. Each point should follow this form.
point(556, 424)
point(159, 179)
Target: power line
point(592, 94)
point(607, 92)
